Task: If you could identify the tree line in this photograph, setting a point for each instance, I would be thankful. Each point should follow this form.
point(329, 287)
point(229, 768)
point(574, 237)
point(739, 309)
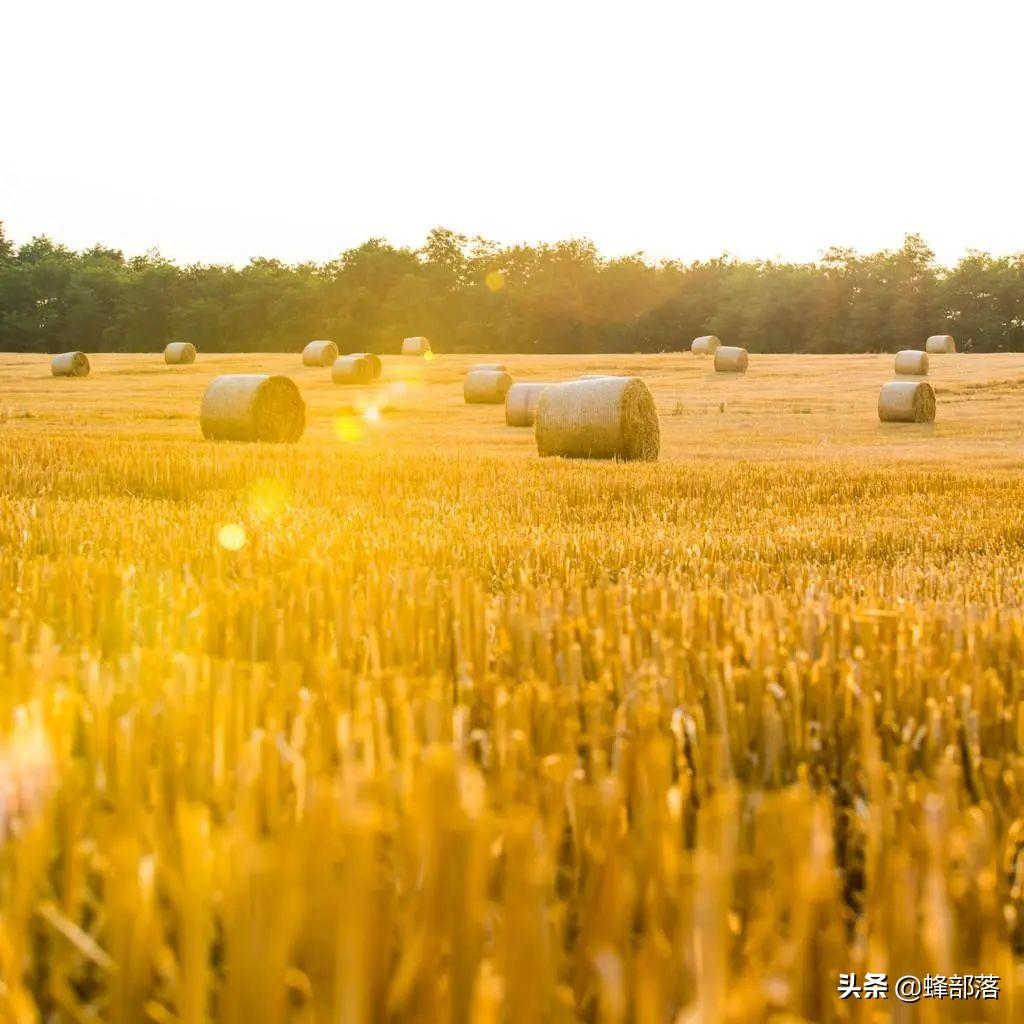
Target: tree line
point(474, 295)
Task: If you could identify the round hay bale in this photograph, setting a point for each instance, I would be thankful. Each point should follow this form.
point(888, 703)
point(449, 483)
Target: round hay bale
point(354, 369)
point(731, 360)
point(374, 360)
point(320, 353)
point(415, 346)
point(70, 364)
point(602, 418)
point(911, 362)
point(252, 407)
point(706, 345)
point(940, 344)
point(906, 401)
point(487, 387)
point(521, 403)
point(180, 353)
point(488, 366)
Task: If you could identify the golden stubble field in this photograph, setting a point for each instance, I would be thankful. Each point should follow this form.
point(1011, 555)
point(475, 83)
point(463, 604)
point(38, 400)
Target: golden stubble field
point(404, 723)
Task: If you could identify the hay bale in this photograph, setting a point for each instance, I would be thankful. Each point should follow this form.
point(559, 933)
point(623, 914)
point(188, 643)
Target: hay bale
point(912, 362)
point(731, 360)
point(374, 360)
point(906, 401)
point(252, 407)
point(601, 418)
point(940, 344)
point(521, 403)
point(70, 364)
point(320, 353)
point(487, 387)
point(180, 353)
point(415, 346)
point(354, 369)
point(706, 345)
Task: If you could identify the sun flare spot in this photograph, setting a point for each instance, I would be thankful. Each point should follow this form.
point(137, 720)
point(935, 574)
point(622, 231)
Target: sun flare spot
point(348, 430)
point(371, 414)
point(231, 536)
point(428, 357)
point(495, 280)
point(267, 498)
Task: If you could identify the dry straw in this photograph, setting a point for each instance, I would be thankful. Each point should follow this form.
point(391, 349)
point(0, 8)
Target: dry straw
point(731, 360)
point(70, 364)
point(488, 366)
point(521, 403)
point(906, 401)
point(940, 344)
point(602, 418)
point(374, 360)
point(706, 345)
point(320, 353)
point(354, 369)
point(252, 407)
point(415, 346)
point(180, 353)
point(911, 362)
point(486, 387)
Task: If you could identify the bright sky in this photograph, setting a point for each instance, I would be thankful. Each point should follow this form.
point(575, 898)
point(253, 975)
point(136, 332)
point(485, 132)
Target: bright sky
point(218, 131)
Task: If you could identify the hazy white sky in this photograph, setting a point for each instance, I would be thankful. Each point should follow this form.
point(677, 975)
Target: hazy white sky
point(219, 131)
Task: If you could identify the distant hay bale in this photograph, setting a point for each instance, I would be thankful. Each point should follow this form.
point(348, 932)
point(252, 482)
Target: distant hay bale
point(601, 418)
point(521, 403)
point(374, 360)
point(320, 353)
point(252, 407)
point(354, 369)
point(488, 366)
point(940, 344)
point(70, 364)
point(180, 353)
point(706, 345)
point(487, 387)
point(906, 401)
point(415, 346)
point(731, 360)
point(912, 362)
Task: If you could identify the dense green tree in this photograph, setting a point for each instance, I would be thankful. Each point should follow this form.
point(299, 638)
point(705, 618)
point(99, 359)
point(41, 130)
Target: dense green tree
point(471, 294)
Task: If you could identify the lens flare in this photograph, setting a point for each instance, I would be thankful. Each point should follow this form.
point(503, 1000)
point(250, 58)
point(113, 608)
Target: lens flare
point(495, 280)
point(371, 414)
point(348, 429)
point(231, 536)
point(267, 499)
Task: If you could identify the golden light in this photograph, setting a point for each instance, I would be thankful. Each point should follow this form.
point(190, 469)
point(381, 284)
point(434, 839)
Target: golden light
point(495, 280)
point(428, 357)
point(267, 498)
point(348, 429)
point(231, 536)
point(371, 414)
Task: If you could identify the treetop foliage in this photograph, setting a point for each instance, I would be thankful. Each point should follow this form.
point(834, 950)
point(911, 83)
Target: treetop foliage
point(474, 295)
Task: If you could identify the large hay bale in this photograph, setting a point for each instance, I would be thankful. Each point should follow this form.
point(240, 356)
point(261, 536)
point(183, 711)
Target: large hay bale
point(180, 353)
point(486, 387)
point(320, 353)
point(70, 364)
point(252, 407)
point(906, 401)
point(354, 369)
point(706, 345)
point(521, 403)
point(415, 346)
point(374, 360)
point(912, 362)
point(601, 418)
point(940, 344)
point(731, 360)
